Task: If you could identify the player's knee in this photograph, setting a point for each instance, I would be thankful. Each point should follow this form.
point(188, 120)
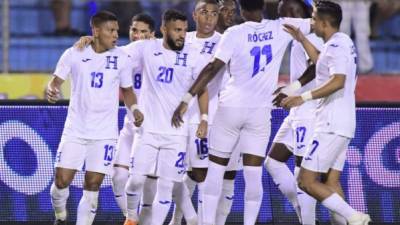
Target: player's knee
point(120, 175)
point(134, 183)
point(198, 174)
point(230, 175)
point(305, 183)
point(61, 182)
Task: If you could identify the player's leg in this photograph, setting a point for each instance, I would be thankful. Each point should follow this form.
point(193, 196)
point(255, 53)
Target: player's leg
point(183, 204)
point(148, 195)
point(303, 132)
point(170, 169)
point(121, 165)
point(254, 138)
point(226, 198)
point(143, 163)
point(223, 137)
point(70, 158)
point(98, 162)
point(321, 155)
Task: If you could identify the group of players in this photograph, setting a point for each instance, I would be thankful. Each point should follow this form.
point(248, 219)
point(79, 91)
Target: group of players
point(163, 153)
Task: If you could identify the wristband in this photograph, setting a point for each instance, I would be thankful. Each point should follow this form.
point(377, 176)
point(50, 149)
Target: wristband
point(292, 88)
point(204, 117)
point(306, 96)
point(187, 98)
point(133, 107)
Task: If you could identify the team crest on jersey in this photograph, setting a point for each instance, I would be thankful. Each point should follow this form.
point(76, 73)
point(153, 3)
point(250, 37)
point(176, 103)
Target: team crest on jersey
point(112, 62)
point(208, 47)
point(181, 59)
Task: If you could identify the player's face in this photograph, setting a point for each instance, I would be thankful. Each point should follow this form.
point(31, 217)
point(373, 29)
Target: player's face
point(290, 9)
point(107, 34)
point(317, 24)
point(206, 17)
point(139, 31)
point(227, 14)
point(174, 33)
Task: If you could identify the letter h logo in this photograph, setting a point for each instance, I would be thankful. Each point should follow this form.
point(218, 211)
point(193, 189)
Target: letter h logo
point(114, 62)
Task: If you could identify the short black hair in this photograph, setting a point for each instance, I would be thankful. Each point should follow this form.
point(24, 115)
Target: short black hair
point(330, 11)
point(145, 18)
point(251, 5)
point(102, 17)
point(214, 2)
point(173, 15)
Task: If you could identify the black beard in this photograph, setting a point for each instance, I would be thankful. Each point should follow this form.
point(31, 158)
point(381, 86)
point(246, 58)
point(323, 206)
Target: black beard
point(172, 44)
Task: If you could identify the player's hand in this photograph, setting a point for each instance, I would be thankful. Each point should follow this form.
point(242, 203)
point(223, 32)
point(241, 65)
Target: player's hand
point(292, 101)
point(177, 119)
point(138, 117)
point(202, 129)
point(295, 32)
point(83, 42)
point(52, 94)
point(279, 96)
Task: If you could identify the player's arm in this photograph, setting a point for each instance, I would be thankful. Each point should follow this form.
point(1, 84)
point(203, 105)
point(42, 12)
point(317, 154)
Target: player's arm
point(53, 89)
point(83, 42)
point(206, 75)
point(203, 99)
point(130, 101)
point(298, 35)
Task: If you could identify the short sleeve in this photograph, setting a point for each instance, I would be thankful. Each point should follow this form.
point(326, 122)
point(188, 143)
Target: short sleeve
point(303, 24)
point(135, 51)
point(226, 46)
point(337, 59)
point(126, 74)
point(64, 65)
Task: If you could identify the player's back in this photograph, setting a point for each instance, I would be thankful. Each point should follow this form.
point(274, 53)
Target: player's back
point(336, 113)
point(254, 53)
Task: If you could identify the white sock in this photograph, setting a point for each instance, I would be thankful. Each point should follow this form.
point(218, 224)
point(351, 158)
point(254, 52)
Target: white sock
point(200, 191)
point(285, 181)
point(148, 195)
point(133, 190)
point(162, 201)
point(306, 202)
point(119, 179)
point(87, 208)
point(337, 219)
point(59, 201)
point(212, 191)
point(178, 214)
point(183, 202)
point(225, 201)
point(253, 193)
point(336, 204)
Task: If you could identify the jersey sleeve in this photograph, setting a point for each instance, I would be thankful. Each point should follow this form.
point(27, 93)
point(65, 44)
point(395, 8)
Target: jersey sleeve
point(227, 45)
point(64, 65)
point(126, 73)
point(303, 24)
point(135, 51)
point(337, 59)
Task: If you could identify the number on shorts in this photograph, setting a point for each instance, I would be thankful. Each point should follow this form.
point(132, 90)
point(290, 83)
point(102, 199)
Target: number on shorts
point(108, 153)
point(202, 148)
point(180, 162)
point(315, 145)
point(300, 134)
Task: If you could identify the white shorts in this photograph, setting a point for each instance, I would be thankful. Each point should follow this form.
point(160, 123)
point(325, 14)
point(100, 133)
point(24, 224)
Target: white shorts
point(159, 155)
point(251, 125)
point(197, 152)
point(325, 151)
point(96, 155)
point(295, 134)
point(124, 144)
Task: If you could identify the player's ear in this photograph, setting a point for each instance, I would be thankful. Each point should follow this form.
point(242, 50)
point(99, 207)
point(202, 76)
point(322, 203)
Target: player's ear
point(194, 15)
point(152, 34)
point(163, 29)
point(95, 32)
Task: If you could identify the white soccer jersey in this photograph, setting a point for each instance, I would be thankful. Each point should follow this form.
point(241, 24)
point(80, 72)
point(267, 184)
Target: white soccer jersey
point(254, 52)
point(298, 64)
point(207, 47)
point(167, 75)
point(95, 81)
point(336, 113)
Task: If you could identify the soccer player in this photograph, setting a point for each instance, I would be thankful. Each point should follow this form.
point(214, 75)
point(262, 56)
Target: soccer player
point(205, 15)
point(227, 13)
point(335, 114)
point(91, 128)
point(169, 68)
point(253, 51)
point(297, 129)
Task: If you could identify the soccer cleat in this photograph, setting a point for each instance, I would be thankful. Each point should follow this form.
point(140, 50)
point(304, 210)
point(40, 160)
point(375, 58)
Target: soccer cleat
point(359, 219)
point(130, 222)
point(60, 222)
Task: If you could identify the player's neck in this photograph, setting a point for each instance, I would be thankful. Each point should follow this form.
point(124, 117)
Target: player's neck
point(329, 34)
point(255, 16)
point(97, 47)
point(204, 35)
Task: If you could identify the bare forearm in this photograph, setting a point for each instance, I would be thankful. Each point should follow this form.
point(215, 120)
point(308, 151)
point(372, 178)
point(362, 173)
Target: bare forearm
point(311, 50)
point(334, 84)
point(206, 75)
point(56, 82)
point(129, 97)
point(203, 102)
point(308, 75)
